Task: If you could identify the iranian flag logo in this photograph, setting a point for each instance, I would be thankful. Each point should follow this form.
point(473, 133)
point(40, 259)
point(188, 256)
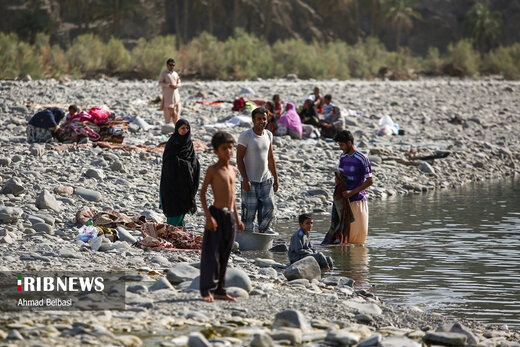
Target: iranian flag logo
point(19, 283)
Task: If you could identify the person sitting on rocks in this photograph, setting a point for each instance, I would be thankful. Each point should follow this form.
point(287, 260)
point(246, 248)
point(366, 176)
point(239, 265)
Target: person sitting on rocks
point(332, 124)
point(278, 105)
point(316, 98)
point(44, 125)
point(327, 104)
point(290, 123)
point(301, 247)
point(272, 117)
point(308, 114)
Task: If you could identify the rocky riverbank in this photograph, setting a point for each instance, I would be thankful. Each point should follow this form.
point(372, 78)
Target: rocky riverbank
point(475, 122)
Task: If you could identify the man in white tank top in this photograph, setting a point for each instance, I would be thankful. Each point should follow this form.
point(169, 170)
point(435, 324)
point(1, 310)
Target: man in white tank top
point(255, 160)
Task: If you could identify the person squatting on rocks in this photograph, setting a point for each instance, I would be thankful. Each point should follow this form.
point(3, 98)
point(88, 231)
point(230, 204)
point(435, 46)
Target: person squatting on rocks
point(179, 175)
point(44, 125)
point(222, 220)
point(301, 247)
point(353, 177)
point(171, 100)
point(255, 160)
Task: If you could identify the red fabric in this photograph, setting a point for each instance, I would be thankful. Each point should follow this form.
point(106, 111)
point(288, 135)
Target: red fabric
point(100, 116)
point(238, 104)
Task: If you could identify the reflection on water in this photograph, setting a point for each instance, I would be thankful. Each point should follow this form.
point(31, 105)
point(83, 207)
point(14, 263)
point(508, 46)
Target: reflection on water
point(453, 251)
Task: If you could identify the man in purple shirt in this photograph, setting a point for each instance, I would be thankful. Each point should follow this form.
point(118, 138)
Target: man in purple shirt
point(355, 168)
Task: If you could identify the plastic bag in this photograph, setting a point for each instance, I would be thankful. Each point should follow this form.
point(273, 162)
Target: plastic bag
point(87, 232)
point(387, 126)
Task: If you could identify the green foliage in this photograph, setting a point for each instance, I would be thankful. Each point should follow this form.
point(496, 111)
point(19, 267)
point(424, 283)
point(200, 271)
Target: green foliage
point(247, 56)
point(86, 54)
point(242, 56)
point(433, 61)
point(151, 56)
point(294, 56)
point(116, 57)
point(463, 56)
point(399, 13)
point(484, 26)
point(505, 61)
point(17, 58)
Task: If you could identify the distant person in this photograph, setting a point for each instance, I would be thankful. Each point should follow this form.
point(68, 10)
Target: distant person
point(316, 98)
point(171, 100)
point(222, 220)
point(291, 123)
point(309, 114)
point(44, 125)
point(278, 105)
point(327, 104)
point(179, 175)
point(255, 160)
point(332, 123)
point(354, 176)
point(272, 117)
point(301, 247)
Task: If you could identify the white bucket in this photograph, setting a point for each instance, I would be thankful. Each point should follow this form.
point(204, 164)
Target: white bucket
point(255, 241)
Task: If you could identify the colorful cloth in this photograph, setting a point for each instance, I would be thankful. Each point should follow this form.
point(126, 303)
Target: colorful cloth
point(359, 228)
point(357, 169)
point(260, 199)
point(291, 120)
point(341, 216)
point(157, 235)
point(38, 135)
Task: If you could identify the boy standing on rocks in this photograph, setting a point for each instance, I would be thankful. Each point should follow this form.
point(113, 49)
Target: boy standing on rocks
point(222, 220)
point(301, 247)
point(171, 100)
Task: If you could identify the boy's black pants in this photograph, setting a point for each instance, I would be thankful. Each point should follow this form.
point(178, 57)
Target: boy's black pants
point(216, 248)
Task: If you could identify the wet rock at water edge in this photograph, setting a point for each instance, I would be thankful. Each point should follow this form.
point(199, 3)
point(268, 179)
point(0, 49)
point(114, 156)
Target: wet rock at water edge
point(307, 268)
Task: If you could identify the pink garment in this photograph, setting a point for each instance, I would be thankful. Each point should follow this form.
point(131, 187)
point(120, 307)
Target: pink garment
point(291, 119)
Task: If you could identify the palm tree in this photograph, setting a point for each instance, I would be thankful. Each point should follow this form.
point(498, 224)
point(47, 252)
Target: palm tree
point(400, 14)
point(485, 26)
point(114, 10)
point(374, 8)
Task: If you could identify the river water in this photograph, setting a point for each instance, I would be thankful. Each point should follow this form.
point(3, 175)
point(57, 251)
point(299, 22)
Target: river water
point(451, 251)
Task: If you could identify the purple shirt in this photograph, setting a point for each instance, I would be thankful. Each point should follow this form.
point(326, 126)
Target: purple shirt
point(357, 169)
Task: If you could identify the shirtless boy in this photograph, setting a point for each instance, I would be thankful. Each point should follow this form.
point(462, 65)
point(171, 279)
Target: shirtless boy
point(222, 220)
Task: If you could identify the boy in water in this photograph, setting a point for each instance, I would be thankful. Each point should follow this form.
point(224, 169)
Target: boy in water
point(222, 220)
point(301, 247)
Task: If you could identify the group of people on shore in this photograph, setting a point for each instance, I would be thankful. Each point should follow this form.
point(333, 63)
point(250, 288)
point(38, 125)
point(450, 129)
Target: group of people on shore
point(180, 176)
point(316, 117)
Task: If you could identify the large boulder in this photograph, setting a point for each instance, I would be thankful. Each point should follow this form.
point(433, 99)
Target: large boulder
point(181, 272)
point(161, 283)
point(47, 201)
point(10, 214)
point(291, 319)
point(88, 194)
point(13, 186)
point(445, 339)
point(234, 278)
point(307, 268)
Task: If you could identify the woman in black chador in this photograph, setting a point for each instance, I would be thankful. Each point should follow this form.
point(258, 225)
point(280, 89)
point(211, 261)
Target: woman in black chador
point(179, 176)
